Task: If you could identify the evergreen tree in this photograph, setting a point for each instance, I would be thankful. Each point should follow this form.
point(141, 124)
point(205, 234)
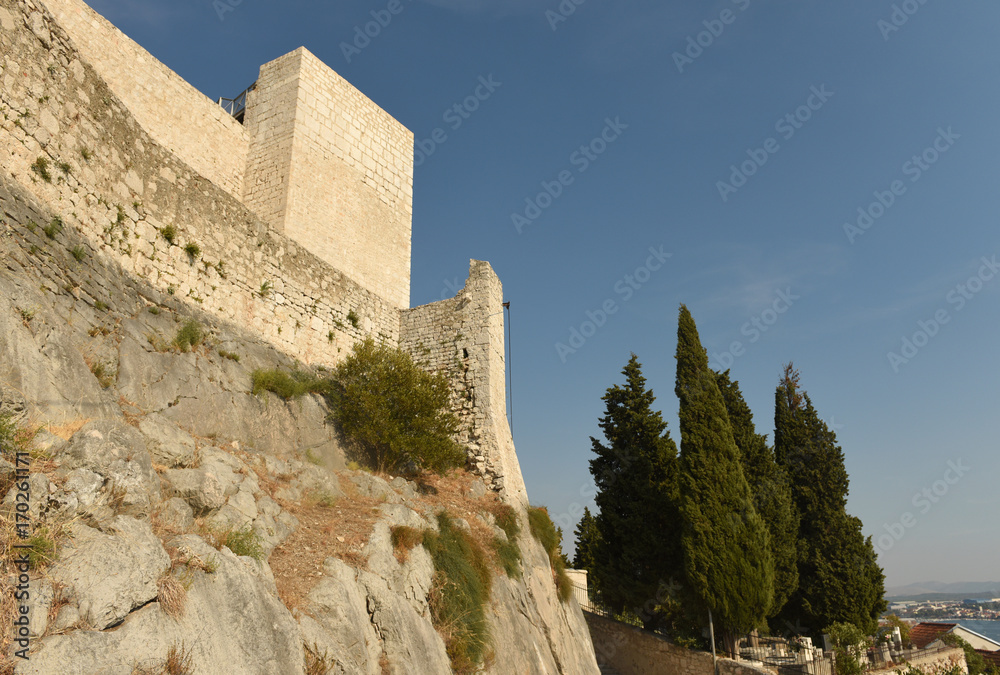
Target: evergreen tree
point(840, 580)
point(635, 475)
point(728, 564)
point(588, 539)
point(770, 488)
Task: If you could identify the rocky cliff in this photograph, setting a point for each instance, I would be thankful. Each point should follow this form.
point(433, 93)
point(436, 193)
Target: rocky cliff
point(177, 522)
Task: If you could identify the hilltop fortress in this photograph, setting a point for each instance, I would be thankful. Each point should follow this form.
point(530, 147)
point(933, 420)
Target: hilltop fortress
point(292, 219)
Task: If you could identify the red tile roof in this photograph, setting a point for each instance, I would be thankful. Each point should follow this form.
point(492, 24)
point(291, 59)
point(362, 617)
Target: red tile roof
point(991, 657)
point(924, 633)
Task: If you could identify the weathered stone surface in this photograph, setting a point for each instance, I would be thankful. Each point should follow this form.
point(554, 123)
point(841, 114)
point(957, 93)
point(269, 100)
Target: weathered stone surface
point(233, 623)
point(109, 575)
point(176, 515)
point(117, 452)
point(374, 487)
point(205, 488)
point(342, 626)
point(168, 443)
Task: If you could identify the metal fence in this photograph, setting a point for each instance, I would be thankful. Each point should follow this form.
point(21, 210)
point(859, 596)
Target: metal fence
point(237, 107)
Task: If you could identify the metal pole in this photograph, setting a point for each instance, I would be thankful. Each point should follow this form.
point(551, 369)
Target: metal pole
point(711, 636)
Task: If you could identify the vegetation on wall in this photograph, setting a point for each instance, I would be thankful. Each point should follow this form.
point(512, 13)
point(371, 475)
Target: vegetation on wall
point(459, 594)
point(396, 414)
point(549, 536)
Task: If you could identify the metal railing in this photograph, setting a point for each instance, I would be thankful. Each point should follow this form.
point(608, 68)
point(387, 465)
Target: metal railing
point(237, 107)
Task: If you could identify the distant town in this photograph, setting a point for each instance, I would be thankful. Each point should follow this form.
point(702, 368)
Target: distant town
point(948, 609)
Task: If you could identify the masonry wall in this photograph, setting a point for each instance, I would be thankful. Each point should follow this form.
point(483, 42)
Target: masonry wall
point(632, 651)
point(130, 189)
point(173, 112)
point(933, 663)
point(333, 171)
point(464, 337)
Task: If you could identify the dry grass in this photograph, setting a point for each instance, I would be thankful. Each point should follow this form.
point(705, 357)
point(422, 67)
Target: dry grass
point(318, 663)
point(178, 661)
point(404, 540)
point(323, 532)
point(66, 430)
point(171, 595)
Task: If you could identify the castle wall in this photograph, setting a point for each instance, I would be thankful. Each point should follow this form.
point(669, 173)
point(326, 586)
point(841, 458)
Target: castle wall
point(130, 189)
point(333, 171)
point(464, 337)
point(174, 113)
point(111, 181)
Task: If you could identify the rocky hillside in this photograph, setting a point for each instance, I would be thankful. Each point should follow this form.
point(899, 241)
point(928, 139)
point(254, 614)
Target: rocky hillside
point(178, 519)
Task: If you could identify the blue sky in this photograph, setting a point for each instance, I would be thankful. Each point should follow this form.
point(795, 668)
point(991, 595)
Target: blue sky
point(809, 111)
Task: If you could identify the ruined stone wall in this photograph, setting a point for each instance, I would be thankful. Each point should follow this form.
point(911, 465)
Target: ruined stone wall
point(333, 171)
point(464, 337)
point(173, 112)
point(76, 147)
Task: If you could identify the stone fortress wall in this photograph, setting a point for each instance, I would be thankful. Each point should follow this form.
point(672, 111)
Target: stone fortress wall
point(112, 179)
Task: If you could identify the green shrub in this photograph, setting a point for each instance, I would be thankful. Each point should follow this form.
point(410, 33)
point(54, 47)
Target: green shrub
point(287, 385)
point(189, 336)
point(41, 167)
point(243, 541)
point(848, 643)
point(395, 412)
point(460, 592)
point(976, 662)
point(41, 548)
point(54, 227)
point(78, 252)
point(169, 232)
point(353, 318)
point(192, 249)
point(232, 356)
point(550, 537)
point(86, 154)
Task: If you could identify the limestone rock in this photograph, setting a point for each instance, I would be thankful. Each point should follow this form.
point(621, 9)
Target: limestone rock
point(109, 575)
point(233, 623)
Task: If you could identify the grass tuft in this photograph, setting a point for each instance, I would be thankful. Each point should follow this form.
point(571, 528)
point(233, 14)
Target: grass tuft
point(171, 595)
point(459, 594)
point(192, 249)
point(189, 336)
point(287, 385)
point(78, 252)
point(404, 539)
point(544, 530)
point(41, 167)
point(54, 227)
point(169, 232)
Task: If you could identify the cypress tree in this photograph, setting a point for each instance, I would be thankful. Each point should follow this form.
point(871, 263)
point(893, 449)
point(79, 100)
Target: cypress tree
point(728, 564)
point(588, 539)
point(635, 475)
point(771, 492)
point(840, 580)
